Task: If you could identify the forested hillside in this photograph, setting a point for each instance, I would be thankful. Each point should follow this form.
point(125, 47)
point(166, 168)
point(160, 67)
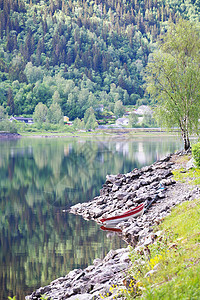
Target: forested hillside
point(80, 53)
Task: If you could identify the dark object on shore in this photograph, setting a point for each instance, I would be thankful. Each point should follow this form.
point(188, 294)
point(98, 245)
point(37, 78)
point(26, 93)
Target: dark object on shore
point(9, 135)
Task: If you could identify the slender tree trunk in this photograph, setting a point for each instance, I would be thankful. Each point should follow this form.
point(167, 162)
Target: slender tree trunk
point(186, 140)
point(185, 134)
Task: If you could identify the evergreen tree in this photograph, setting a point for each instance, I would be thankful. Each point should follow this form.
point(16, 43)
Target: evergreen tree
point(109, 42)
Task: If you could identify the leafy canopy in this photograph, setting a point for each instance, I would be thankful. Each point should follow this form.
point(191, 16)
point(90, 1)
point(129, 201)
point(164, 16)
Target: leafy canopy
point(173, 75)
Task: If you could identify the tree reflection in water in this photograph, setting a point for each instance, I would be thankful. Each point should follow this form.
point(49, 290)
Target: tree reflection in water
point(41, 177)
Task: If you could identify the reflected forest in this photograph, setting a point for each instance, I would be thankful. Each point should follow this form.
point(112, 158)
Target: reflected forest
point(39, 178)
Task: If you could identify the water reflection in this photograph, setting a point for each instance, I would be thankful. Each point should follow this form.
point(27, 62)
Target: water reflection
point(41, 177)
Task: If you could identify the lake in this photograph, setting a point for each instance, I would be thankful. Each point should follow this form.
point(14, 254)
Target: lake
point(41, 177)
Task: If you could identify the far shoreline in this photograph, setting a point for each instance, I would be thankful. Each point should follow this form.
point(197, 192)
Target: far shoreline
point(105, 133)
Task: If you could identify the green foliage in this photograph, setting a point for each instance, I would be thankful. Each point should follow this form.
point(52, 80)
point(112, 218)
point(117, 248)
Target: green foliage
point(173, 76)
point(5, 124)
point(54, 115)
point(119, 109)
point(192, 176)
point(47, 47)
point(8, 126)
point(78, 124)
point(173, 259)
point(90, 119)
point(33, 73)
point(148, 120)
point(3, 115)
point(196, 153)
point(11, 298)
point(75, 40)
point(133, 120)
point(40, 113)
point(95, 57)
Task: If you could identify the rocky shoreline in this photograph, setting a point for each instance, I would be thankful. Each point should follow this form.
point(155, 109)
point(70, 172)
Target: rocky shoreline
point(9, 135)
point(154, 185)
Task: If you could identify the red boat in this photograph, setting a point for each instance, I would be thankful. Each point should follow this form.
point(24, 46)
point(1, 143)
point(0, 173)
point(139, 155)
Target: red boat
point(110, 229)
point(112, 221)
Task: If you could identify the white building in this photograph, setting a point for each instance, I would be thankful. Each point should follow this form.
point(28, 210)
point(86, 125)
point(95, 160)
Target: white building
point(122, 122)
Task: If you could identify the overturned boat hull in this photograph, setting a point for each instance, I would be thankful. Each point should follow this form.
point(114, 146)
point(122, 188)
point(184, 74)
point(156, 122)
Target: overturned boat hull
point(133, 213)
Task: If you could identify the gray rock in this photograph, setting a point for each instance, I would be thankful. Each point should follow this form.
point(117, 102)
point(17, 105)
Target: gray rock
point(129, 203)
point(110, 178)
point(97, 212)
point(120, 195)
point(97, 261)
point(81, 297)
point(190, 164)
point(115, 188)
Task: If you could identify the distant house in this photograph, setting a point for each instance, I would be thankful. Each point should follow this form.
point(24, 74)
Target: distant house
point(67, 121)
point(127, 113)
point(122, 122)
point(22, 119)
point(100, 108)
point(143, 109)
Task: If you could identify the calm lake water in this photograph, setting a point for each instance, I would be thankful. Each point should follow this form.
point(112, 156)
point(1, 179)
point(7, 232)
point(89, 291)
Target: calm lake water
point(41, 177)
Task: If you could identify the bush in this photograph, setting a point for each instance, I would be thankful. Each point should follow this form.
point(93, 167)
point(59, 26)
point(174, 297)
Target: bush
point(30, 128)
point(196, 153)
point(8, 126)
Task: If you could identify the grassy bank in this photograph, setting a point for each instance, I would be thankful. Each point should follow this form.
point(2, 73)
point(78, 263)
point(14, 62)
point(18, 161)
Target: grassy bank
point(105, 132)
point(172, 267)
point(168, 269)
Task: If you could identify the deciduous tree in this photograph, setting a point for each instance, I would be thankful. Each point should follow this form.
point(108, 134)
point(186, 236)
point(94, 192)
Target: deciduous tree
point(40, 113)
point(3, 115)
point(90, 119)
point(119, 109)
point(173, 76)
point(133, 119)
point(54, 114)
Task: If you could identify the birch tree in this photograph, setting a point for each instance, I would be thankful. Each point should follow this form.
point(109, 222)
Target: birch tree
point(173, 79)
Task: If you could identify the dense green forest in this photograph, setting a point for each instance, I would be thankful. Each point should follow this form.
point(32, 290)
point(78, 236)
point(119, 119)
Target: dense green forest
point(80, 53)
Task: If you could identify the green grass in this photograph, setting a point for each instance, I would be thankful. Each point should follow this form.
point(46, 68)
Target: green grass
point(174, 259)
point(47, 133)
point(105, 133)
point(60, 134)
point(169, 269)
point(191, 176)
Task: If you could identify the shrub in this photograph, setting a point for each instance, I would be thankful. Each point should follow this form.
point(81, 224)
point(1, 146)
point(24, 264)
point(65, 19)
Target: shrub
point(8, 126)
point(196, 153)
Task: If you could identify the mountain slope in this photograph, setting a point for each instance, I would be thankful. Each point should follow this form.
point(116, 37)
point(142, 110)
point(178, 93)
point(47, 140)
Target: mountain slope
point(79, 53)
